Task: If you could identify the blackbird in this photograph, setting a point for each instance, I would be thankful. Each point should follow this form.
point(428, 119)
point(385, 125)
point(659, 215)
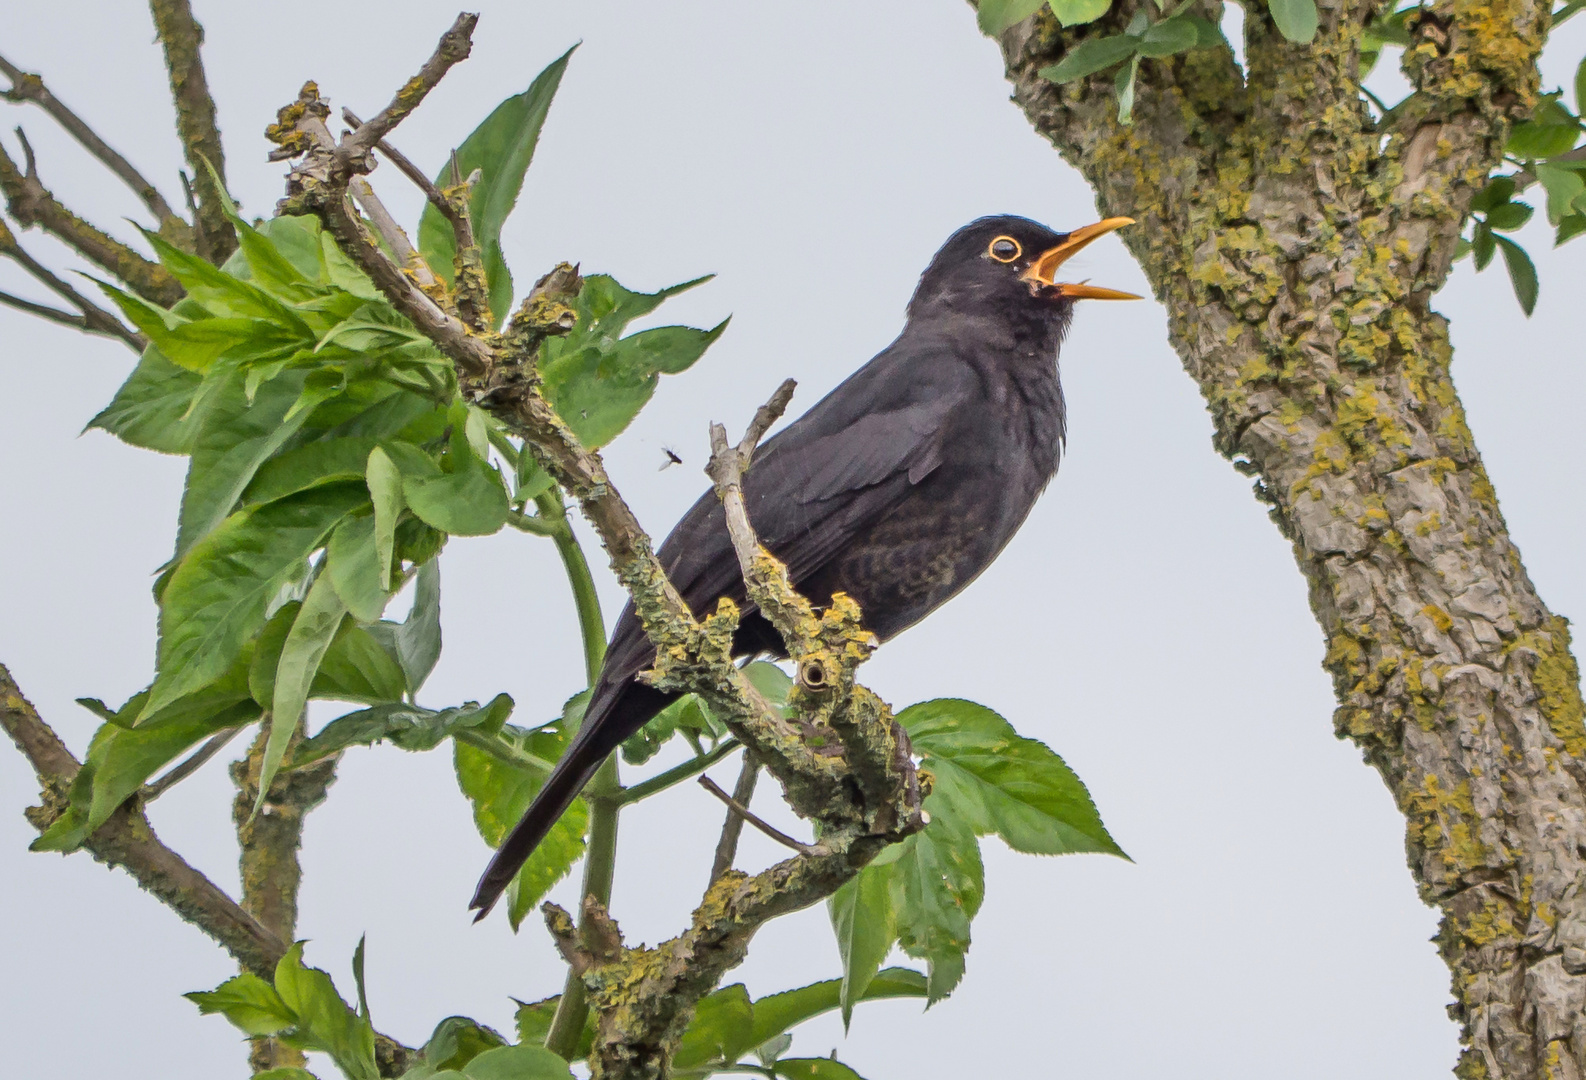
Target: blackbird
point(897, 488)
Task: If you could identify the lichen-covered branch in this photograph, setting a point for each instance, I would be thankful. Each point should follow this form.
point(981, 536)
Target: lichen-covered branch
point(128, 841)
point(860, 786)
point(183, 39)
point(29, 87)
point(31, 204)
point(1297, 249)
point(268, 843)
point(92, 319)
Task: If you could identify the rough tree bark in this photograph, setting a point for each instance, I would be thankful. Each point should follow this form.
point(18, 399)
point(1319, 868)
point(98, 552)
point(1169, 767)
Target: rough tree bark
point(1297, 246)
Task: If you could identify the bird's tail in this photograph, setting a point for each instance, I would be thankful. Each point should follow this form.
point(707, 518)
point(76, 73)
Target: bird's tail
point(561, 788)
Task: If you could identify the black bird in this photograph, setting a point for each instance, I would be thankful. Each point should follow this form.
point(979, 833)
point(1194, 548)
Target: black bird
point(897, 488)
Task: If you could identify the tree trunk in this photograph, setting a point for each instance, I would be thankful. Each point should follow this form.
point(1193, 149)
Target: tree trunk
point(1297, 247)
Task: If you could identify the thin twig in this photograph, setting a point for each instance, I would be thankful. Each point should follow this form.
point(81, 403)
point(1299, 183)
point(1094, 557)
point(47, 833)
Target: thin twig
point(732, 828)
point(44, 311)
point(406, 167)
point(31, 203)
point(454, 47)
point(94, 319)
point(195, 761)
point(770, 830)
point(728, 464)
point(678, 773)
point(29, 87)
point(182, 39)
point(392, 233)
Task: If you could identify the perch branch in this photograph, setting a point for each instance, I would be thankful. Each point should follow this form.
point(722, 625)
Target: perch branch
point(32, 204)
point(182, 39)
point(29, 87)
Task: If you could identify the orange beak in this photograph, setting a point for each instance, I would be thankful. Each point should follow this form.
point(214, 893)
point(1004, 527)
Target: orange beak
point(1044, 270)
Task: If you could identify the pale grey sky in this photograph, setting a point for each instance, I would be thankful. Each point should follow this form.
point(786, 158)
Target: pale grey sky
point(1149, 623)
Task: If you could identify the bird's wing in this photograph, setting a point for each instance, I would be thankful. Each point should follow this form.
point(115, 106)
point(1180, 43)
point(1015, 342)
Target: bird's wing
point(818, 484)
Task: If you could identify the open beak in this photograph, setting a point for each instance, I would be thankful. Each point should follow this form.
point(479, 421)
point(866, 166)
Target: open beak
point(1044, 269)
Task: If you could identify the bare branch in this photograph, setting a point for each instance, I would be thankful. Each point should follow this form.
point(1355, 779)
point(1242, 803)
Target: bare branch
point(93, 320)
point(29, 87)
point(182, 39)
point(44, 311)
point(454, 47)
point(732, 828)
point(727, 466)
point(406, 167)
point(739, 810)
point(31, 204)
point(195, 761)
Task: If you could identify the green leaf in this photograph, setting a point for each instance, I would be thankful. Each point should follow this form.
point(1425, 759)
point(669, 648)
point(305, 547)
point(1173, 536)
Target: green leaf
point(416, 641)
point(1296, 19)
point(1090, 56)
point(778, 1013)
point(457, 1041)
point(533, 1019)
point(1563, 187)
point(217, 597)
point(1551, 131)
point(1170, 36)
point(358, 667)
point(324, 461)
point(311, 634)
point(995, 781)
point(1496, 192)
point(774, 1048)
point(1123, 87)
point(1522, 273)
point(1572, 226)
point(357, 976)
point(1078, 12)
point(942, 885)
point(224, 294)
point(325, 1021)
point(814, 1069)
point(410, 727)
point(468, 501)
point(722, 1029)
point(120, 759)
point(865, 921)
point(248, 1002)
point(686, 713)
point(501, 148)
point(285, 1072)
point(385, 491)
point(599, 388)
point(1482, 244)
point(353, 563)
point(500, 791)
point(233, 440)
point(995, 16)
point(518, 1063)
point(1509, 216)
point(149, 408)
point(1580, 85)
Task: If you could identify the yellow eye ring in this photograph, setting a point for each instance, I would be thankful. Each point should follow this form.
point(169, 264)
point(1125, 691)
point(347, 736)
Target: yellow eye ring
point(1004, 249)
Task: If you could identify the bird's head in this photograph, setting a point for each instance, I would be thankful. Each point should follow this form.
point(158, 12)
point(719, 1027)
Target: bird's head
point(1008, 265)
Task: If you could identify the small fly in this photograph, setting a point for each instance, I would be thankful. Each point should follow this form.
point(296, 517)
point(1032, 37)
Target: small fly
point(671, 458)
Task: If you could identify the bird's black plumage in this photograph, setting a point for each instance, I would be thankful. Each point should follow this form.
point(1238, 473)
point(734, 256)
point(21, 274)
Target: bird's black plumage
point(897, 488)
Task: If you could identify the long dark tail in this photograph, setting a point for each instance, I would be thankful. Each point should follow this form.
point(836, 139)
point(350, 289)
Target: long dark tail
point(603, 730)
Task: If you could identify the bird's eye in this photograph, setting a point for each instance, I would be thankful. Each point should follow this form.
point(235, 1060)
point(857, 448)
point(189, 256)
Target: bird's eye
point(1004, 249)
